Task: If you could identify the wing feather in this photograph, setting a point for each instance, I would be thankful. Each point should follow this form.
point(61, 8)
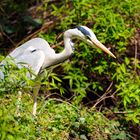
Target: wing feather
point(32, 58)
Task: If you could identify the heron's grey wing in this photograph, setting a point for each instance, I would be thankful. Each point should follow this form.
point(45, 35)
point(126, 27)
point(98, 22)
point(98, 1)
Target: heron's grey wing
point(32, 58)
point(37, 43)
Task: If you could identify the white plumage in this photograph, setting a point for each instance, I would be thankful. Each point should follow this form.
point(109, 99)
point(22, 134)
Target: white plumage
point(37, 53)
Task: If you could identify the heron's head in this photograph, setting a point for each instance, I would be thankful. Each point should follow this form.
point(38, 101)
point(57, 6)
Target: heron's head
point(87, 35)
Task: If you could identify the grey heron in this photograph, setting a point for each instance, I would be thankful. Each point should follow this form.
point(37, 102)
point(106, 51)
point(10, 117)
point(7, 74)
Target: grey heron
point(38, 54)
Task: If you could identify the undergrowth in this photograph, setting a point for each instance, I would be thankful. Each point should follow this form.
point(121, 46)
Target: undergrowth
point(56, 119)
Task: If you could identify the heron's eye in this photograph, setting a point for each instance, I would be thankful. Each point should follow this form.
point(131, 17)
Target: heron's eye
point(88, 37)
point(74, 40)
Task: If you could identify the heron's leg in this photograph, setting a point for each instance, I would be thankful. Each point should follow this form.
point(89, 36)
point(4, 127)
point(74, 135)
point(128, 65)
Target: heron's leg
point(35, 94)
point(18, 103)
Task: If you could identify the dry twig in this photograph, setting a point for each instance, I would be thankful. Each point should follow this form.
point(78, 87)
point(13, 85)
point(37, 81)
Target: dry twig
point(104, 96)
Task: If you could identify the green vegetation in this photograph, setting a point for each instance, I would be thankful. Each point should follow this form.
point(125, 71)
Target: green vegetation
point(91, 97)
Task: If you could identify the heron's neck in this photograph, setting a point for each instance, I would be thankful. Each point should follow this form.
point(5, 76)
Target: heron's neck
point(68, 50)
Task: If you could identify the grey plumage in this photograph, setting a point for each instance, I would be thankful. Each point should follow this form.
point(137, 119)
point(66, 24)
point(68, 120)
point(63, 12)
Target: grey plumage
point(37, 54)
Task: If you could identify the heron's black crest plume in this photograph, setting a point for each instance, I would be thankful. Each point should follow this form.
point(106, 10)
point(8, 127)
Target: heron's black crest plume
point(83, 30)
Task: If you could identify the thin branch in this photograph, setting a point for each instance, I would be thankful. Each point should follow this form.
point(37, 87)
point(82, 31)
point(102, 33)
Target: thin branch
point(104, 96)
point(135, 61)
point(59, 44)
point(45, 27)
point(123, 112)
point(12, 42)
point(59, 100)
point(35, 33)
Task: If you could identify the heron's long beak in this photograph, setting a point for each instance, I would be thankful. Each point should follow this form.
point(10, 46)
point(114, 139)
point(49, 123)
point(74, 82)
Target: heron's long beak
point(102, 47)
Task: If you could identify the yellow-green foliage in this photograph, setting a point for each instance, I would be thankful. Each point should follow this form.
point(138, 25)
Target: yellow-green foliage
point(89, 72)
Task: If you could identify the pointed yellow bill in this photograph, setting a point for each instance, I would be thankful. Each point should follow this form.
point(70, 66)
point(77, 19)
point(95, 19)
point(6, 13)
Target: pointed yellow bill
point(102, 47)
